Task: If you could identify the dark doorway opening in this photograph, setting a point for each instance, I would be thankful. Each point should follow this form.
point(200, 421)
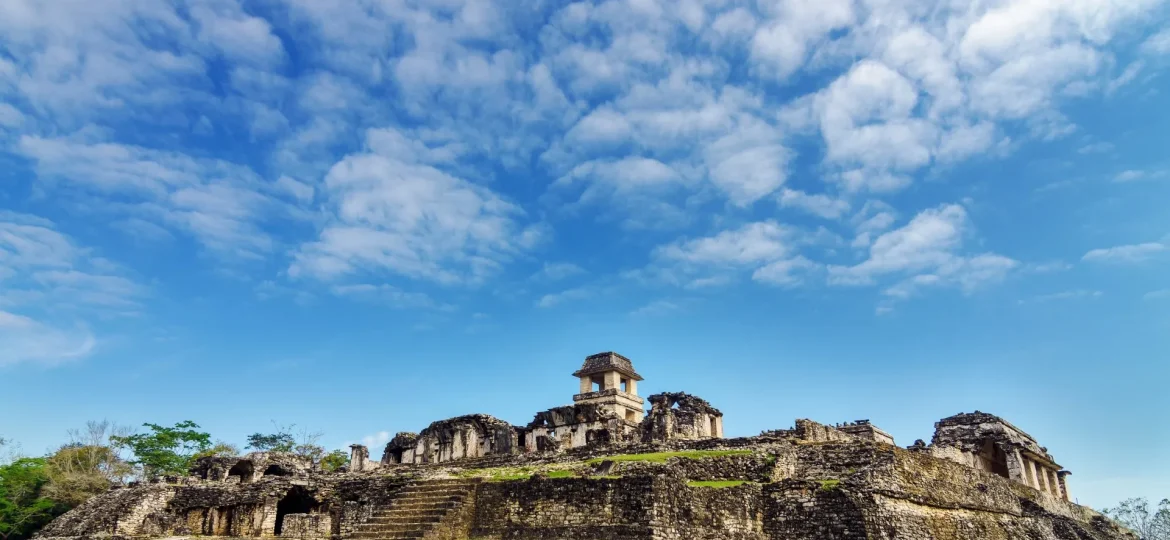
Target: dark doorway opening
point(993, 459)
point(296, 501)
point(275, 470)
point(243, 469)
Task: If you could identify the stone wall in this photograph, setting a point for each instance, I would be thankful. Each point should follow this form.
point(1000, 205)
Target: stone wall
point(680, 416)
point(564, 508)
point(306, 526)
point(463, 437)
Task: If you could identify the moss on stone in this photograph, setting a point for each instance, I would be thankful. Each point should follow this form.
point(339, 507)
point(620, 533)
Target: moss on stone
point(717, 483)
point(663, 457)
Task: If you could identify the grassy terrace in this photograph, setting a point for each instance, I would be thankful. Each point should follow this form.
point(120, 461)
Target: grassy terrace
point(662, 457)
point(717, 483)
point(571, 470)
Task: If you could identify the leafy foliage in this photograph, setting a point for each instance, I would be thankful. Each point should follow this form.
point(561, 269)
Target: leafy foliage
point(304, 443)
point(166, 450)
point(1136, 514)
point(281, 441)
point(335, 460)
point(88, 465)
point(219, 449)
point(23, 509)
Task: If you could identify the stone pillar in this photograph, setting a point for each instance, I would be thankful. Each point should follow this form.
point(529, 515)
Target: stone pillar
point(1017, 468)
point(1055, 484)
point(632, 387)
point(358, 455)
point(613, 379)
point(1063, 477)
point(586, 384)
point(1041, 477)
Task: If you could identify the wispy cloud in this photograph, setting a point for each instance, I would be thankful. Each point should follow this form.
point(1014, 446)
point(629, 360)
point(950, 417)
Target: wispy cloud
point(1125, 254)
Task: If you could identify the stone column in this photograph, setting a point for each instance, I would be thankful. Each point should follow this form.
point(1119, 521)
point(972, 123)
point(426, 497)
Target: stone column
point(1054, 482)
point(613, 379)
point(358, 454)
point(632, 387)
point(1063, 476)
point(586, 384)
point(1042, 477)
point(1018, 470)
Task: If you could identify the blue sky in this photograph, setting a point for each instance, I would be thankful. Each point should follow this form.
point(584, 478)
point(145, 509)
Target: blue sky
point(362, 216)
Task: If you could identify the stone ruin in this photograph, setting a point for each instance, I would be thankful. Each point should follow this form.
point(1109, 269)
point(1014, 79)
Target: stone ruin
point(989, 443)
point(604, 468)
point(606, 410)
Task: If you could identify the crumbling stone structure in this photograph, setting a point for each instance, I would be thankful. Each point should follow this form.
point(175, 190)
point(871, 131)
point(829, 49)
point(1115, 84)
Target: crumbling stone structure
point(671, 476)
point(865, 430)
point(990, 443)
point(681, 416)
point(462, 437)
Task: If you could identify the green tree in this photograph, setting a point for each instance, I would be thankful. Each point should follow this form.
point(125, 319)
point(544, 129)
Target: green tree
point(219, 449)
point(335, 460)
point(281, 441)
point(88, 465)
point(303, 443)
point(22, 508)
point(166, 450)
point(1136, 514)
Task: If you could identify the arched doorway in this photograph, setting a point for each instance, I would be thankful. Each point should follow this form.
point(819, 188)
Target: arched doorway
point(296, 501)
point(243, 469)
point(276, 470)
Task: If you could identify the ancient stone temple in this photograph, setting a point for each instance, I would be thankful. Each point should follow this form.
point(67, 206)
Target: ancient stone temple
point(990, 443)
point(605, 468)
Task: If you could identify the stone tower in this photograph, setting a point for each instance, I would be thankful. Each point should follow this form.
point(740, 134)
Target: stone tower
point(608, 380)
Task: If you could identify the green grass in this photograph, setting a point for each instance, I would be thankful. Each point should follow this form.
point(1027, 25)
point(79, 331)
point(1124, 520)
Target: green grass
point(662, 457)
point(830, 484)
point(716, 483)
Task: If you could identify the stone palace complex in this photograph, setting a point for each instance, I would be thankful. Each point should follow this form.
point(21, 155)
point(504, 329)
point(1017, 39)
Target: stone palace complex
point(605, 467)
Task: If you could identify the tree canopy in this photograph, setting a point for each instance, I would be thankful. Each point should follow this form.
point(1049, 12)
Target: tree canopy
point(23, 509)
point(1136, 514)
point(166, 450)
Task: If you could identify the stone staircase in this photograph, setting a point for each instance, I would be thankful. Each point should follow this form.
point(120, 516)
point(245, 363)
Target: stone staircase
point(418, 509)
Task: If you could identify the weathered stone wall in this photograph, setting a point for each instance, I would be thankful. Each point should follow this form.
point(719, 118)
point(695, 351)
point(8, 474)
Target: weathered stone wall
point(565, 508)
point(464, 437)
point(680, 416)
point(707, 513)
point(306, 526)
point(120, 512)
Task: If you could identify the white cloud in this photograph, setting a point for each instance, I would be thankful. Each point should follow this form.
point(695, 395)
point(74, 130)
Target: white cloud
point(1068, 295)
point(928, 249)
point(395, 212)
point(221, 204)
point(657, 307)
point(1132, 253)
point(553, 299)
point(1158, 44)
point(1129, 175)
point(557, 271)
point(786, 272)
point(751, 244)
point(818, 205)
point(1159, 294)
point(27, 340)
point(387, 295)
point(49, 286)
point(781, 45)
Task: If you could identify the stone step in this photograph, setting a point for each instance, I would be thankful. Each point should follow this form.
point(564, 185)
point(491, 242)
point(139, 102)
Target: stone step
point(391, 518)
point(420, 529)
point(423, 500)
point(437, 490)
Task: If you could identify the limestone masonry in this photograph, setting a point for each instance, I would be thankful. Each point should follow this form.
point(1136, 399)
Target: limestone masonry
point(606, 468)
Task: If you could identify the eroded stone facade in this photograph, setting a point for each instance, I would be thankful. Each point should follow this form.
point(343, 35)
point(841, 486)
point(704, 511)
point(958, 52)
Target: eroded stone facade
point(990, 443)
point(670, 476)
